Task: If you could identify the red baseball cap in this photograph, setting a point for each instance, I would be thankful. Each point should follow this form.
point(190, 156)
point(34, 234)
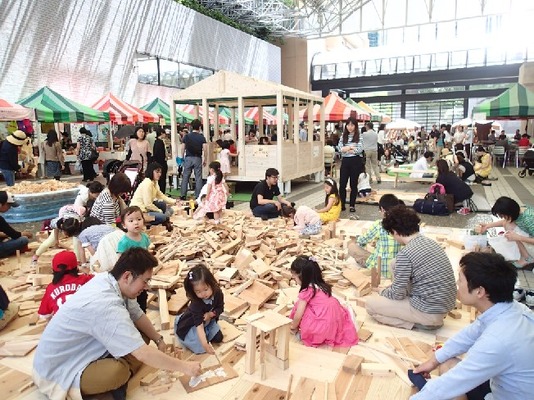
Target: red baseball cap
point(67, 258)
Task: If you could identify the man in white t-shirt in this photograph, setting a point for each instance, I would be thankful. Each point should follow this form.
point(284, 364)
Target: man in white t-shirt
point(422, 165)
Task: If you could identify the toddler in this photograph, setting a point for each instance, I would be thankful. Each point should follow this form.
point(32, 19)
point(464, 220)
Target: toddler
point(197, 327)
point(364, 186)
point(332, 202)
point(319, 317)
point(216, 194)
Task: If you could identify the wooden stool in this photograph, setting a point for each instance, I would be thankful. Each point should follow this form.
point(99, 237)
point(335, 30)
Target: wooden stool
point(277, 349)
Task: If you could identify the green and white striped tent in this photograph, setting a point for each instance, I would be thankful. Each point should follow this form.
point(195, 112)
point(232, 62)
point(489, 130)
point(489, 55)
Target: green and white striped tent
point(516, 102)
point(50, 106)
point(159, 107)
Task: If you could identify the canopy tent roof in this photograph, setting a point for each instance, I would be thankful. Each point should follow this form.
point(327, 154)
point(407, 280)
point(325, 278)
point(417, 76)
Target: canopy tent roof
point(361, 110)
point(225, 111)
point(50, 106)
point(375, 115)
point(190, 109)
point(14, 112)
point(121, 112)
point(402, 123)
point(253, 113)
point(162, 109)
point(516, 102)
point(335, 109)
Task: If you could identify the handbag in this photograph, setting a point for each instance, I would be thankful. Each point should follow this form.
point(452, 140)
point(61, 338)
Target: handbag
point(94, 154)
point(430, 206)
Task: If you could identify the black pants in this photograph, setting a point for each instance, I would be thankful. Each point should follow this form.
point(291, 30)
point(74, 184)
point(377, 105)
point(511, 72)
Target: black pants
point(163, 179)
point(88, 171)
point(351, 168)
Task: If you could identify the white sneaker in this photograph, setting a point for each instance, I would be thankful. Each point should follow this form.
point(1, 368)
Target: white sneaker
point(529, 298)
point(519, 294)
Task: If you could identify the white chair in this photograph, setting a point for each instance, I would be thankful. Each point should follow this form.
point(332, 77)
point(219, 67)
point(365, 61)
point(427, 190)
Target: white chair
point(519, 154)
point(498, 152)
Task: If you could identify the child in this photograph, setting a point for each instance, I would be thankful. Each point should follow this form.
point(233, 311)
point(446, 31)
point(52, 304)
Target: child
point(386, 247)
point(364, 186)
point(386, 161)
point(89, 239)
point(224, 157)
point(320, 317)
point(88, 194)
point(306, 220)
point(197, 327)
point(332, 202)
point(69, 221)
point(216, 195)
point(133, 223)
point(65, 282)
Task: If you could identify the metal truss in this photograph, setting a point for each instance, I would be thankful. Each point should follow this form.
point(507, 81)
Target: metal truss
point(289, 17)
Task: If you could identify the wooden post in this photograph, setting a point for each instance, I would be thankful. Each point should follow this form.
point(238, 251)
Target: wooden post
point(250, 355)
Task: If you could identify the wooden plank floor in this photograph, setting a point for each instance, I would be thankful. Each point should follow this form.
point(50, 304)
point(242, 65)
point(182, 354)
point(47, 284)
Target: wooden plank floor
point(317, 364)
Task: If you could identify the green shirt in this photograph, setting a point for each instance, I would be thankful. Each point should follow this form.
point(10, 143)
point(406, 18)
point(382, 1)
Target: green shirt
point(126, 243)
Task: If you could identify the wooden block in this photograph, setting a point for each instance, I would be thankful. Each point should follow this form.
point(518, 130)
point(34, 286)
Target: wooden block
point(304, 389)
point(18, 347)
point(455, 314)
point(357, 278)
point(228, 370)
point(376, 369)
point(154, 390)
point(243, 258)
point(149, 379)
point(262, 392)
point(260, 267)
point(257, 293)
point(164, 310)
point(177, 301)
point(352, 364)
point(456, 243)
point(226, 274)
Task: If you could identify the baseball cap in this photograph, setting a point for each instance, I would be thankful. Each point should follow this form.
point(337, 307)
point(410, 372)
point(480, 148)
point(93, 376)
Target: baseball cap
point(66, 258)
point(6, 197)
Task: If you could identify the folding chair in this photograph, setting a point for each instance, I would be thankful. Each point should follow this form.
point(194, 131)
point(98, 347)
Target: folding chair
point(498, 152)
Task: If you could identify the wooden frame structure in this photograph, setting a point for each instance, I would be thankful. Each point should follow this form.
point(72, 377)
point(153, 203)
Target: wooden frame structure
point(292, 158)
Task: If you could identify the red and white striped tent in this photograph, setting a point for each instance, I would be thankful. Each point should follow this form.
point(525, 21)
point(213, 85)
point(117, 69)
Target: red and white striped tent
point(190, 109)
point(121, 112)
point(15, 112)
point(253, 113)
point(335, 109)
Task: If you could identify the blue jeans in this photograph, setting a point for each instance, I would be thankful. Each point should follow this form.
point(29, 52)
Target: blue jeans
point(266, 210)
point(161, 217)
point(9, 176)
point(8, 247)
point(191, 340)
point(190, 164)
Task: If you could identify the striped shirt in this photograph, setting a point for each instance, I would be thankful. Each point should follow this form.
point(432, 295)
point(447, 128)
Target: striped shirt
point(386, 247)
point(356, 146)
point(105, 208)
point(423, 273)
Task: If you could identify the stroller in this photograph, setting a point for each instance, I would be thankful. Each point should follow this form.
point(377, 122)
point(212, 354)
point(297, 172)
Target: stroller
point(132, 168)
point(399, 155)
point(527, 164)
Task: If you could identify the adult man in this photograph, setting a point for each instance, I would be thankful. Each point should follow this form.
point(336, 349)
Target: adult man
point(194, 149)
point(94, 345)
point(422, 165)
point(370, 146)
point(262, 202)
point(423, 290)
point(9, 153)
point(159, 155)
point(498, 343)
point(458, 138)
point(18, 240)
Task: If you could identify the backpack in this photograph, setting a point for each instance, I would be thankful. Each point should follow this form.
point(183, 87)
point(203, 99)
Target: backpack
point(435, 201)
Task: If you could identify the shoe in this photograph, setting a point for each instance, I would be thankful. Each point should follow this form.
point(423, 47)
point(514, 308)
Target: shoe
point(343, 208)
point(427, 327)
point(485, 183)
point(120, 393)
point(379, 182)
point(519, 294)
point(529, 298)
point(352, 209)
point(464, 211)
point(264, 217)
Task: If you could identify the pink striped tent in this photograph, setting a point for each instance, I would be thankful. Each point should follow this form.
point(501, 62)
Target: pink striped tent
point(121, 112)
point(190, 109)
point(253, 114)
point(15, 112)
point(335, 109)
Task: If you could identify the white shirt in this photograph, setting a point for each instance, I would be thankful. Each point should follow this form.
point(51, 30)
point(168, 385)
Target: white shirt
point(420, 165)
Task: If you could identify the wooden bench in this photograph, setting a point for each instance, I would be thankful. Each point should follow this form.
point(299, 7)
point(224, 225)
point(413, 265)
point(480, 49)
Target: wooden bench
point(398, 171)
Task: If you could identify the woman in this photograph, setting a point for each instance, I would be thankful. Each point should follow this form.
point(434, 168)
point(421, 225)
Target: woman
point(139, 148)
point(464, 168)
point(53, 155)
point(108, 205)
point(160, 157)
point(9, 156)
point(84, 150)
point(482, 166)
point(149, 198)
point(352, 161)
point(453, 185)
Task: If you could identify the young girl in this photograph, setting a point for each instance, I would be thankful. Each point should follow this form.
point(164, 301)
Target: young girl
point(224, 157)
point(216, 195)
point(306, 220)
point(197, 327)
point(65, 282)
point(332, 202)
point(386, 161)
point(364, 187)
point(319, 317)
point(133, 223)
point(69, 221)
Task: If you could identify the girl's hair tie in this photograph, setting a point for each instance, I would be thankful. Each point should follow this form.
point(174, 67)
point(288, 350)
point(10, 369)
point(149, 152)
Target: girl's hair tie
point(190, 275)
point(312, 258)
point(329, 180)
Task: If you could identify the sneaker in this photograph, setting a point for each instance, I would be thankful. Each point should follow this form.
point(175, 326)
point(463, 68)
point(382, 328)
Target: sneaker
point(426, 327)
point(352, 209)
point(529, 298)
point(464, 211)
point(519, 294)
